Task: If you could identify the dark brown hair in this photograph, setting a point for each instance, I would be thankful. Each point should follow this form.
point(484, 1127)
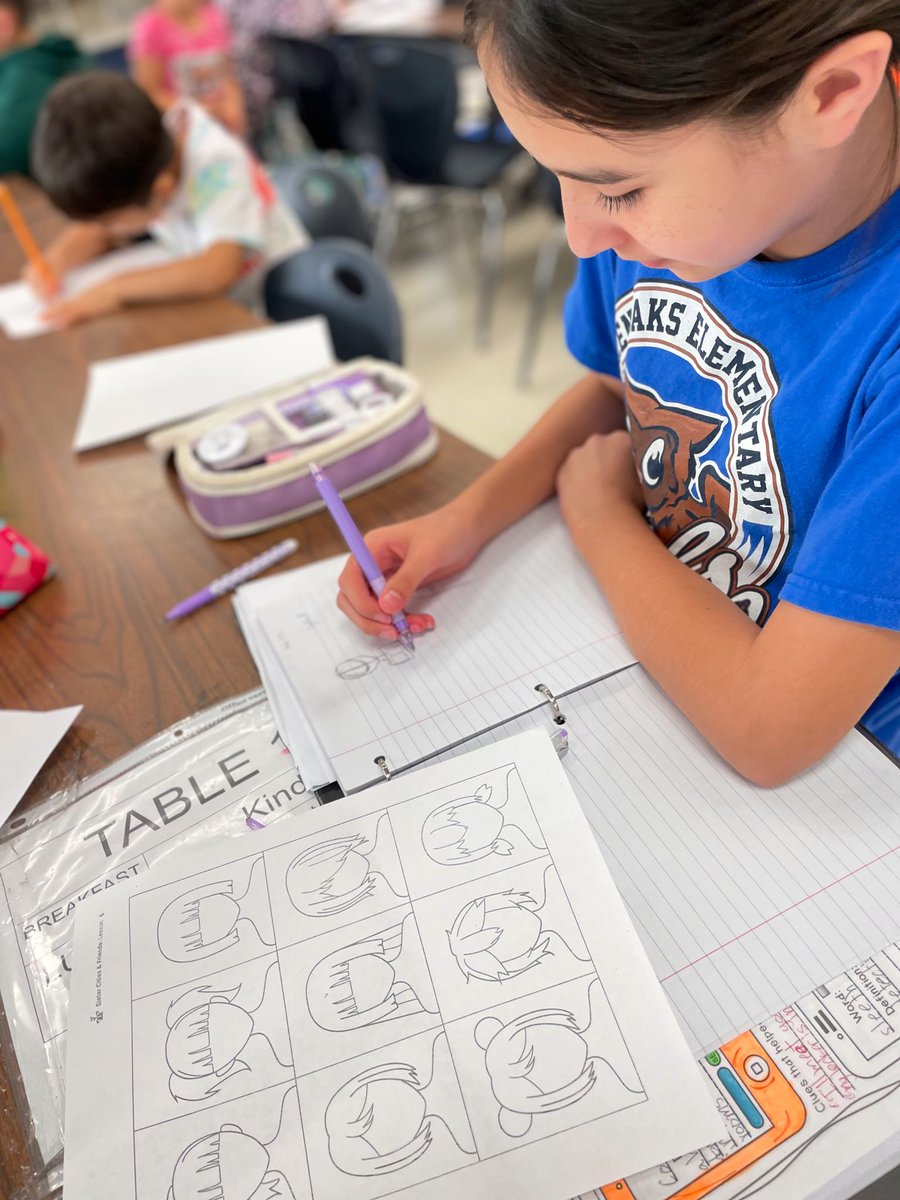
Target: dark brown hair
point(642, 65)
point(99, 145)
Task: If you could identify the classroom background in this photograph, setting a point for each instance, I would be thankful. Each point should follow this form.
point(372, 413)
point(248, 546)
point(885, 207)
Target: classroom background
point(465, 235)
point(487, 386)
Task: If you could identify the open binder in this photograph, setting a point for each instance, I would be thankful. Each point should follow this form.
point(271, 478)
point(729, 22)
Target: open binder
point(743, 896)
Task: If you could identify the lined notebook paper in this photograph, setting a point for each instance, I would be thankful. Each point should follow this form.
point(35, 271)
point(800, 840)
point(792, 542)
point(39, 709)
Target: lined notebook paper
point(527, 612)
point(744, 897)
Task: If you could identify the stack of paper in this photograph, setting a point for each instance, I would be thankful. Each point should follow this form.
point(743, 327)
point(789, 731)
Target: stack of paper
point(526, 614)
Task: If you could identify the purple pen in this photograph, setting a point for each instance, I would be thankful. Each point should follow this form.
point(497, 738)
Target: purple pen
point(227, 583)
point(358, 548)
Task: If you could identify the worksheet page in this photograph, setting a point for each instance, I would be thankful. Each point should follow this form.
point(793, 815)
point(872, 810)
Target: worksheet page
point(525, 614)
point(433, 988)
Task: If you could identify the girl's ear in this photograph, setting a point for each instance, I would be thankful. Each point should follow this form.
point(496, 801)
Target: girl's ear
point(838, 89)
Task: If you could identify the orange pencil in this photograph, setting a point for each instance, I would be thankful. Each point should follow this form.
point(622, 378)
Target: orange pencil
point(23, 236)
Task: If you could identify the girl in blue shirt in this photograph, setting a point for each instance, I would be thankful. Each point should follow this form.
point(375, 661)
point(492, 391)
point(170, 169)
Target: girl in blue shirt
point(730, 463)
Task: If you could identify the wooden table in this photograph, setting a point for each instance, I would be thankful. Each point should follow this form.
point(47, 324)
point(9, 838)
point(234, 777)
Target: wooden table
point(114, 523)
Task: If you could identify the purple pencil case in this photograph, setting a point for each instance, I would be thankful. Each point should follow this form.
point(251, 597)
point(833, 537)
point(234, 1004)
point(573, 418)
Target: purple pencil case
point(245, 467)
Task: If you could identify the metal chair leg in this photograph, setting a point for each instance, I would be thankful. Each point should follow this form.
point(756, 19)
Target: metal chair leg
point(544, 274)
point(491, 254)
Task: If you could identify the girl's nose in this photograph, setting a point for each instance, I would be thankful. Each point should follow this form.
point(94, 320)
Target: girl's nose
point(589, 228)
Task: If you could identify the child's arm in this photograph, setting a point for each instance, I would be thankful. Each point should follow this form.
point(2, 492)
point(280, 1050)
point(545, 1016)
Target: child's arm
point(228, 107)
point(211, 273)
point(432, 547)
point(79, 242)
point(149, 74)
point(772, 701)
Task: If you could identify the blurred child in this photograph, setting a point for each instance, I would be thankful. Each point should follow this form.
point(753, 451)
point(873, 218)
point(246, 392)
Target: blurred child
point(729, 463)
point(250, 22)
point(181, 49)
point(109, 159)
point(29, 67)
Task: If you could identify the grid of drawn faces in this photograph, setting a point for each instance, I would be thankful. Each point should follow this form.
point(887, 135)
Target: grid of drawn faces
point(368, 1007)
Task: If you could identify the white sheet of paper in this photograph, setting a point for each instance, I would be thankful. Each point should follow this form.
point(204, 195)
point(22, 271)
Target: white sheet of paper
point(30, 738)
point(744, 897)
point(439, 976)
point(293, 724)
point(21, 311)
point(526, 612)
point(131, 395)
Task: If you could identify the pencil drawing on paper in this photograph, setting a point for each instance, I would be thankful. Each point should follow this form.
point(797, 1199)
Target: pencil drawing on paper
point(385, 1119)
point(500, 936)
point(213, 1038)
point(391, 654)
point(334, 875)
point(472, 827)
point(541, 1062)
point(379, 978)
point(230, 1162)
point(205, 920)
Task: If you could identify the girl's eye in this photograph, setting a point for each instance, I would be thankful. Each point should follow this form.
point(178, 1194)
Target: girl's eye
point(615, 203)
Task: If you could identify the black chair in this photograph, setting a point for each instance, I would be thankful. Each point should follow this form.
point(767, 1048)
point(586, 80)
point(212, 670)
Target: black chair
point(412, 92)
point(340, 280)
point(318, 78)
point(326, 201)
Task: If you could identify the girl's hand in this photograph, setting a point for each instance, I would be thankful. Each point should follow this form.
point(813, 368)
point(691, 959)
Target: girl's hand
point(98, 301)
point(596, 478)
point(410, 554)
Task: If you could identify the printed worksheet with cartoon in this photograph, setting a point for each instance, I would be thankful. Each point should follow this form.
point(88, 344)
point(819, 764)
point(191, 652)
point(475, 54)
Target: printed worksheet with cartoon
point(809, 1100)
point(433, 988)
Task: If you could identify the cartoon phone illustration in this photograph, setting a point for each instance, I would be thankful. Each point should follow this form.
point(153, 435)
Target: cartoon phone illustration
point(756, 1097)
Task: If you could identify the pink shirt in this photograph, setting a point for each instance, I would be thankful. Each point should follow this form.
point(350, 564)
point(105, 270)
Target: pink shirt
point(193, 59)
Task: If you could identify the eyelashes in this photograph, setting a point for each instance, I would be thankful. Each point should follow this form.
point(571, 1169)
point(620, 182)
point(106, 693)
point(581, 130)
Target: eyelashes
point(617, 203)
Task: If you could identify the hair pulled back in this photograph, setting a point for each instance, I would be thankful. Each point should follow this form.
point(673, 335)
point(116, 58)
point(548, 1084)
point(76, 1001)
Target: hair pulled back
point(643, 65)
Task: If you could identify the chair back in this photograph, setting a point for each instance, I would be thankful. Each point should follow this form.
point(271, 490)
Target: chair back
point(342, 281)
point(413, 92)
point(326, 201)
point(312, 75)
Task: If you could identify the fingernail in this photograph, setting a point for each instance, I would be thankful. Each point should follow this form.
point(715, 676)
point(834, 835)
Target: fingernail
point(421, 624)
point(388, 635)
point(382, 617)
point(391, 601)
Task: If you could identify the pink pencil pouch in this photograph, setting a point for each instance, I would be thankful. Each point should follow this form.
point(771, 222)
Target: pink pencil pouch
point(23, 567)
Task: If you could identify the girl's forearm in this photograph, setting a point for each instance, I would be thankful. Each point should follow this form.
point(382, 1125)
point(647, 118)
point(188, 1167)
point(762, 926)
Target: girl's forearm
point(526, 476)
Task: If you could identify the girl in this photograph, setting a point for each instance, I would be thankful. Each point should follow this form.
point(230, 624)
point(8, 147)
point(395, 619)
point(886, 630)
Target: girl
point(180, 49)
point(728, 466)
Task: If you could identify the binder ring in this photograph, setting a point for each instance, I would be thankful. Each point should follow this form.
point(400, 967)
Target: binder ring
point(381, 762)
point(558, 715)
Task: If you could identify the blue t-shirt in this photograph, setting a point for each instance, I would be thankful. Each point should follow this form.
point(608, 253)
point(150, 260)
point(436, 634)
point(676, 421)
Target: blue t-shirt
point(764, 410)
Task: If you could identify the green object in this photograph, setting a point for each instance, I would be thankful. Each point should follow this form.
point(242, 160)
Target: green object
point(27, 74)
point(714, 1058)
